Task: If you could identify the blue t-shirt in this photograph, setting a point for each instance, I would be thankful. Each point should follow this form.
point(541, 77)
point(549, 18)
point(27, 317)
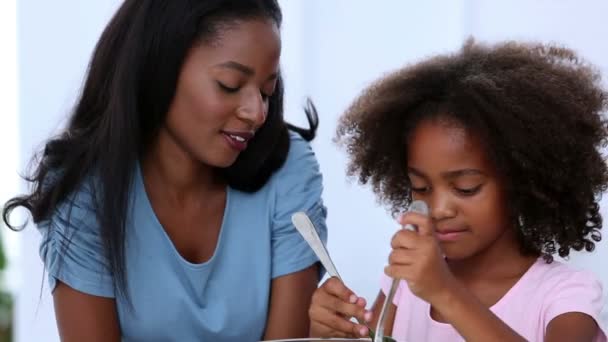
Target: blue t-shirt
point(223, 299)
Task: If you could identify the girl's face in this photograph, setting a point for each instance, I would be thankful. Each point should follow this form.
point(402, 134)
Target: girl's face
point(449, 170)
point(222, 92)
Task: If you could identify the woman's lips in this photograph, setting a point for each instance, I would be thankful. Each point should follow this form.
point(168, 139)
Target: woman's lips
point(237, 140)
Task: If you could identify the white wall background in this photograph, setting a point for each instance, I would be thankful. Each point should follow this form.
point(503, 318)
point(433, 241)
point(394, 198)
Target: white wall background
point(332, 49)
point(55, 40)
point(9, 147)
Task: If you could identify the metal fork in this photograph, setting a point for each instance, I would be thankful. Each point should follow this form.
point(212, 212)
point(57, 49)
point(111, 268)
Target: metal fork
point(307, 229)
point(309, 233)
point(418, 207)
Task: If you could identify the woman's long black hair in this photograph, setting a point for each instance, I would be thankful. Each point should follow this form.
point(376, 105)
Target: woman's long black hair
point(129, 87)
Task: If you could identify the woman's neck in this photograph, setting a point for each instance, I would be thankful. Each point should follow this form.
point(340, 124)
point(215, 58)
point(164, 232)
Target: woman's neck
point(168, 166)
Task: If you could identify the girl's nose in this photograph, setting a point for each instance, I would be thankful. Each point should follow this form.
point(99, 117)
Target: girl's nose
point(441, 207)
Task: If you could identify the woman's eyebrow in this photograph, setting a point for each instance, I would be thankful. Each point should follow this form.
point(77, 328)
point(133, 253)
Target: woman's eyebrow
point(244, 69)
point(237, 66)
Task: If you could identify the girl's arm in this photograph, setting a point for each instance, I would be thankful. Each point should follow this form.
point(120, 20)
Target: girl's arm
point(571, 326)
point(472, 320)
point(83, 317)
point(417, 258)
point(290, 298)
point(477, 323)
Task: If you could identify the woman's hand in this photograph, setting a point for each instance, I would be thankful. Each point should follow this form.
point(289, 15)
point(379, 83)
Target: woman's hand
point(417, 258)
point(332, 307)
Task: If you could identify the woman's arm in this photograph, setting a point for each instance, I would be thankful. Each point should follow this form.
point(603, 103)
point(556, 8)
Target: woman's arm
point(289, 302)
point(83, 317)
point(297, 186)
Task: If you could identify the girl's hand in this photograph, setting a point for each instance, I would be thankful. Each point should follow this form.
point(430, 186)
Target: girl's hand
point(332, 307)
point(417, 258)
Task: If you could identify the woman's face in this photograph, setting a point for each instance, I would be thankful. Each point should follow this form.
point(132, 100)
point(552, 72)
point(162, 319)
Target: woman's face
point(222, 92)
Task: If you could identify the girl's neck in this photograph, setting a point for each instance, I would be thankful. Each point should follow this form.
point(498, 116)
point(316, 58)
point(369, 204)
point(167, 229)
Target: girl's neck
point(503, 259)
point(168, 166)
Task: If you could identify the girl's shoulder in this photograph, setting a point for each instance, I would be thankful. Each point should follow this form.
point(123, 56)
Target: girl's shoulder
point(557, 274)
point(560, 288)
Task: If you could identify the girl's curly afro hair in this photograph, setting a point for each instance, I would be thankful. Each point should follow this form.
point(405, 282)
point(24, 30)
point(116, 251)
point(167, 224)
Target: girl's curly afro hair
point(538, 108)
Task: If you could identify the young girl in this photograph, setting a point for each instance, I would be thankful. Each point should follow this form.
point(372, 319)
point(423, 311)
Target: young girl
point(165, 205)
point(503, 145)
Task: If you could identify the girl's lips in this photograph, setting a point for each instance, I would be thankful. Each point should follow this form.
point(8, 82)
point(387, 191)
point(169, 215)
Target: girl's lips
point(450, 235)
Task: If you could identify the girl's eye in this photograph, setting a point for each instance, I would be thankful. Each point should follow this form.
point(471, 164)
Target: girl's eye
point(468, 191)
point(227, 88)
point(420, 190)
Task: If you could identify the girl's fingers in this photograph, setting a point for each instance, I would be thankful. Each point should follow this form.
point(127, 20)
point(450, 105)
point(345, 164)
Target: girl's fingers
point(398, 271)
point(423, 223)
point(404, 239)
point(402, 256)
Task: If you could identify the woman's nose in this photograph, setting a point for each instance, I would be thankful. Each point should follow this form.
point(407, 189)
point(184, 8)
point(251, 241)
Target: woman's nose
point(253, 110)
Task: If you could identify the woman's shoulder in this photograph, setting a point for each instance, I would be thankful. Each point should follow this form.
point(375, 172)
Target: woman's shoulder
point(301, 162)
point(299, 148)
point(78, 204)
point(72, 244)
point(80, 207)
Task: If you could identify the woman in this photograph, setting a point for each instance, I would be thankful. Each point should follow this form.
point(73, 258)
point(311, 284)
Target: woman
point(165, 204)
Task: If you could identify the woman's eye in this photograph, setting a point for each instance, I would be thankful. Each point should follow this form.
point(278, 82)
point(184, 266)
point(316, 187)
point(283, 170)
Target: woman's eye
point(227, 88)
point(468, 191)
